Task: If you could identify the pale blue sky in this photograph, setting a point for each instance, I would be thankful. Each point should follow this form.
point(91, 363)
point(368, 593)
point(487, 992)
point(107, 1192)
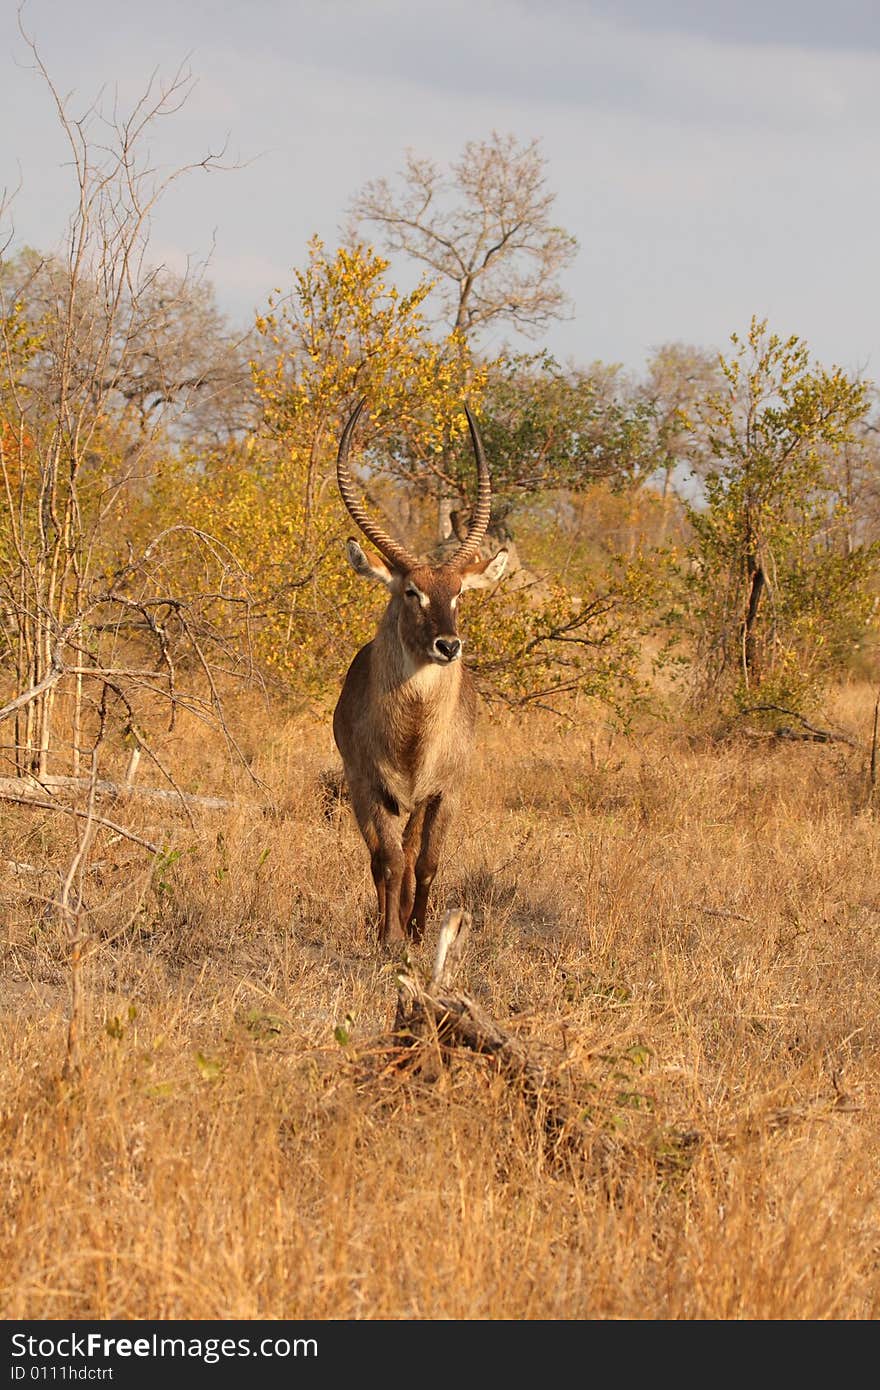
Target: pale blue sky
point(713, 161)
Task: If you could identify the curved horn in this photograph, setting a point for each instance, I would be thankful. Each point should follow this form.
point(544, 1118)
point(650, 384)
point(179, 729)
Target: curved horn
point(480, 518)
point(396, 555)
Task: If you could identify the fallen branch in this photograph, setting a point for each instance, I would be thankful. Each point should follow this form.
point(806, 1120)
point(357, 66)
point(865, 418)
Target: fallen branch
point(434, 1012)
point(20, 789)
point(808, 733)
point(18, 866)
point(27, 796)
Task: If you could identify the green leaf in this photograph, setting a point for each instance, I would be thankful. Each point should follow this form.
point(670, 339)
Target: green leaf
point(209, 1068)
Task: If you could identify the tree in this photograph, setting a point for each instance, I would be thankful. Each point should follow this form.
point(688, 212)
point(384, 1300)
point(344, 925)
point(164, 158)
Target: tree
point(341, 333)
point(98, 624)
point(485, 232)
point(854, 473)
point(678, 378)
point(93, 621)
point(552, 427)
point(774, 592)
point(168, 354)
point(346, 332)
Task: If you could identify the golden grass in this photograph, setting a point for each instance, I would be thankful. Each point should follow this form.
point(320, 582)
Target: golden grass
point(687, 934)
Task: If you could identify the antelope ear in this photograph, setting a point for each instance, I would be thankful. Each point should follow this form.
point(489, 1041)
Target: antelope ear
point(367, 568)
point(484, 573)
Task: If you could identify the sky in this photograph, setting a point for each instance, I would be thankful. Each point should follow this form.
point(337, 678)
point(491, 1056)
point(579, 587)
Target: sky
point(713, 160)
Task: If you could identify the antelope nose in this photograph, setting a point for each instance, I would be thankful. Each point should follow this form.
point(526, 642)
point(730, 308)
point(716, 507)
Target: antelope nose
point(447, 648)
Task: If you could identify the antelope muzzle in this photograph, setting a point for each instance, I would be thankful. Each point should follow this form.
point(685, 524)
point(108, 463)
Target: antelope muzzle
point(446, 649)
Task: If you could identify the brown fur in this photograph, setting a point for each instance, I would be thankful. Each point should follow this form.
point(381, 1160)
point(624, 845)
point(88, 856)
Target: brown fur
point(404, 722)
point(404, 726)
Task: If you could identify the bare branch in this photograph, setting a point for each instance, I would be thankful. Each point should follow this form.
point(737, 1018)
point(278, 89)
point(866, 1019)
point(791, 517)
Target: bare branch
point(485, 231)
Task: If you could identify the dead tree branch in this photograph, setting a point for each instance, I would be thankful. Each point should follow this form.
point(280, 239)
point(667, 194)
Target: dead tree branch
point(19, 788)
point(807, 733)
point(24, 795)
point(436, 1014)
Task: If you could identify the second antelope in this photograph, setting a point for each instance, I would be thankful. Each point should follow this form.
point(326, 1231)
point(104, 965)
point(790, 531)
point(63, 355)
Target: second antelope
point(404, 722)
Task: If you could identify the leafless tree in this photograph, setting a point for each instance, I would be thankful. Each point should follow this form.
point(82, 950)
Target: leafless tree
point(678, 377)
point(853, 472)
point(485, 229)
point(101, 628)
point(171, 357)
point(78, 613)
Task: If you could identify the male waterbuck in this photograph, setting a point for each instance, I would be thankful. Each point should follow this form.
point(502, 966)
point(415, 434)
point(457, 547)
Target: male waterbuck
point(404, 722)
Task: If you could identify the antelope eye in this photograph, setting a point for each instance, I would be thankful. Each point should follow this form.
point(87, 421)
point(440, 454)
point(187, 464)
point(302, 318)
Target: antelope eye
point(412, 593)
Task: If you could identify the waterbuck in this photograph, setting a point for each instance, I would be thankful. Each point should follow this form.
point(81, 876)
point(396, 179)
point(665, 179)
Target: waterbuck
point(404, 722)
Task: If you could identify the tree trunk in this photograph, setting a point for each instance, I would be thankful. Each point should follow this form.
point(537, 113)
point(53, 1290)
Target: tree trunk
point(757, 584)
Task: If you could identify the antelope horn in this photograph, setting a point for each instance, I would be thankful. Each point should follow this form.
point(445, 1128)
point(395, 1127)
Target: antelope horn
point(396, 555)
point(480, 518)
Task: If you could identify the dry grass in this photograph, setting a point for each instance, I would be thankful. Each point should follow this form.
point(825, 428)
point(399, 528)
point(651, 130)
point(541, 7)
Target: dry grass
point(688, 936)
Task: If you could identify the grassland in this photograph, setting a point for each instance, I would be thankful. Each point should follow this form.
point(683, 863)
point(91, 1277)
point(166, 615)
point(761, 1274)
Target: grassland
point(685, 932)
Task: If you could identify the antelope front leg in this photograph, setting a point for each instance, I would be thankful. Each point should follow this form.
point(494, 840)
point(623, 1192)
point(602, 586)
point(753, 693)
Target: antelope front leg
point(393, 866)
point(378, 872)
point(412, 843)
point(438, 813)
point(383, 833)
point(389, 865)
